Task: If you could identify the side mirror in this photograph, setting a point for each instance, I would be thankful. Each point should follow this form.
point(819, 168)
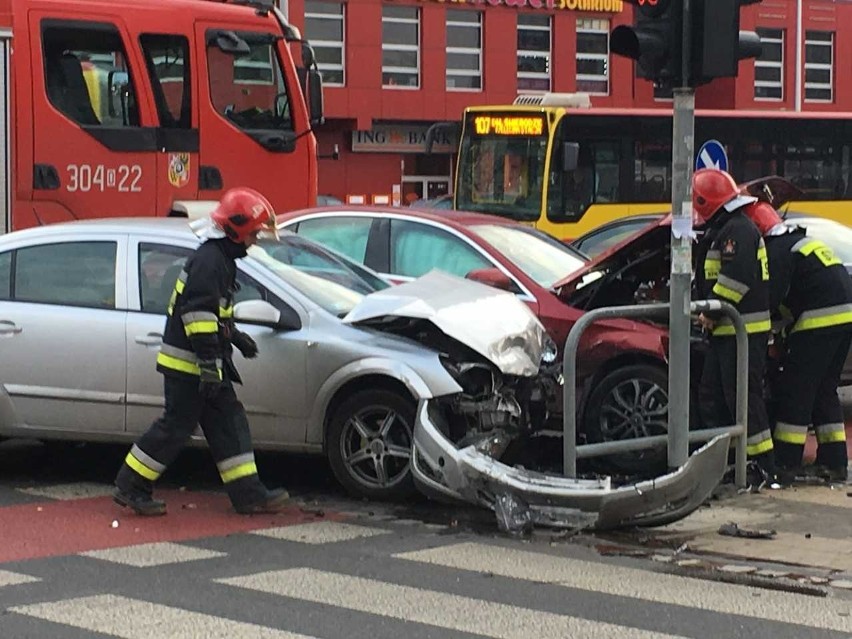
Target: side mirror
point(315, 97)
point(492, 277)
point(261, 313)
point(230, 42)
point(570, 156)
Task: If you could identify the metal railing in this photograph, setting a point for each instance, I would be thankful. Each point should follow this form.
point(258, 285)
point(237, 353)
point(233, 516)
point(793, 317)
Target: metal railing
point(572, 451)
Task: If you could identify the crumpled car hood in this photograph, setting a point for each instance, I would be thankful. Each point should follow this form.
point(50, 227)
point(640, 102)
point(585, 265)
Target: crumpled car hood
point(492, 322)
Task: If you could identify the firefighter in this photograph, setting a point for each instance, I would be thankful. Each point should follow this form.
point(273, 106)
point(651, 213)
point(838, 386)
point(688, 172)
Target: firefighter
point(197, 367)
point(811, 292)
point(735, 270)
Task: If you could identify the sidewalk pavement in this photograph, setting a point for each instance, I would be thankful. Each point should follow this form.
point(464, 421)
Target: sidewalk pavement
point(812, 525)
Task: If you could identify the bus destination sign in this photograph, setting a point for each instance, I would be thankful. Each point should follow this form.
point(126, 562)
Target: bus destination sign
point(508, 124)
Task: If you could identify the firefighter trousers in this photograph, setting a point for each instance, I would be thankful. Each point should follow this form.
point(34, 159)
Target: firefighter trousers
point(807, 396)
point(717, 394)
point(225, 426)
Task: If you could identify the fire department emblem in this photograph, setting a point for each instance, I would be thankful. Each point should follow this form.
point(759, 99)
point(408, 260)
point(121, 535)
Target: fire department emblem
point(179, 169)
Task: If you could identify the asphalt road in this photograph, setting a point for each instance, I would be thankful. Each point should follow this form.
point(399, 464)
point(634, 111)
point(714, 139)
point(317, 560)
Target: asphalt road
point(73, 565)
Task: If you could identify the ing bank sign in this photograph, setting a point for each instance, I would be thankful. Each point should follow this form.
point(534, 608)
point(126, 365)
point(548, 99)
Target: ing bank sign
point(609, 6)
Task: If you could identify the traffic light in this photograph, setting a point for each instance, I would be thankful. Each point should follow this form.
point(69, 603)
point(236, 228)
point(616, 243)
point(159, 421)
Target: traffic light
point(654, 40)
point(718, 43)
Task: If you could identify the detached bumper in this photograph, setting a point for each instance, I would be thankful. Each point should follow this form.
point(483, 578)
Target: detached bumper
point(443, 471)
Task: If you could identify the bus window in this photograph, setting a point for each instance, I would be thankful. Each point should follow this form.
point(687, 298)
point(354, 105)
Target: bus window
point(248, 89)
point(594, 181)
point(653, 172)
point(820, 168)
point(168, 68)
point(87, 77)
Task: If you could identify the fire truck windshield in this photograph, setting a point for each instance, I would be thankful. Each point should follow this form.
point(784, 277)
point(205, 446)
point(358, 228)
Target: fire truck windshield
point(501, 165)
point(248, 87)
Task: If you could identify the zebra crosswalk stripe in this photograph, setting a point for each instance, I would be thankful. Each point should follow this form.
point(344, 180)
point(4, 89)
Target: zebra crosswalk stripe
point(439, 609)
point(135, 619)
point(156, 554)
point(320, 532)
point(830, 614)
point(8, 578)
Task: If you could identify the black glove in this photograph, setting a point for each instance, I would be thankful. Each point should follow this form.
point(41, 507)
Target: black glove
point(245, 344)
point(211, 379)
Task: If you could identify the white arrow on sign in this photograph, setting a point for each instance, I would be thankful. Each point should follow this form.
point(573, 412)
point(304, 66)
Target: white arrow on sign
point(708, 161)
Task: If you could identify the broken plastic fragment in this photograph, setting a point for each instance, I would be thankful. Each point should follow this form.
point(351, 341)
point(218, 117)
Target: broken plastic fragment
point(733, 530)
point(513, 514)
point(115, 523)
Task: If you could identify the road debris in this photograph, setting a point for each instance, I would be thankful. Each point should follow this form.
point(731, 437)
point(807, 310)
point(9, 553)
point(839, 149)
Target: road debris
point(731, 529)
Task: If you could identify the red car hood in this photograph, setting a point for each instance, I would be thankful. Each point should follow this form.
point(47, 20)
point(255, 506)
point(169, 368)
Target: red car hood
point(569, 283)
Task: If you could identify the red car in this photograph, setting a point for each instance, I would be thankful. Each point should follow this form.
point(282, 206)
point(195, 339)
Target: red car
point(622, 363)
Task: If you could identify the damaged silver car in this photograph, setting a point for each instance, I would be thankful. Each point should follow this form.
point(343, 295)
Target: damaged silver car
point(509, 380)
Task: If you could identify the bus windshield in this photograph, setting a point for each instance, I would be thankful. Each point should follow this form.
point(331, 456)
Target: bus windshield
point(501, 164)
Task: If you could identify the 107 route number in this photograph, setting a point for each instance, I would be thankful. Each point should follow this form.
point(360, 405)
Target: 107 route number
point(86, 177)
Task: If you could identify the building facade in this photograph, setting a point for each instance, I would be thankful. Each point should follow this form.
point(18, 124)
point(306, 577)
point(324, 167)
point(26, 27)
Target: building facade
point(394, 67)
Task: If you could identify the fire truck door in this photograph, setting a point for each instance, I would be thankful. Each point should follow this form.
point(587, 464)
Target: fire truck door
point(168, 66)
point(94, 139)
point(248, 136)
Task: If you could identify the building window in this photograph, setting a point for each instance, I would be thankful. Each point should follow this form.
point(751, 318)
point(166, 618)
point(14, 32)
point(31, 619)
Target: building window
point(464, 49)
point(324, 28)
point(533, 52)
point(769, 67)
point(401, 47)
point(593, 55)
point(819, 66)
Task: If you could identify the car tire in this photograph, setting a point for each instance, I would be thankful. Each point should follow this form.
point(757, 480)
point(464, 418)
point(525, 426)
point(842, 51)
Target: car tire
point(358, 451)
point(630, 402)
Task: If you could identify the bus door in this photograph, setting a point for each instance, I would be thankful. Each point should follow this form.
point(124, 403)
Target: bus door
point(170, 71)
point(94, 134)
point(248, 128)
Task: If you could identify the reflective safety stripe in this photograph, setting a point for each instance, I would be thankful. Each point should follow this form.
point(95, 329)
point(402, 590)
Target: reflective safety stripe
point(791, 433)
point(712, 264)
point(829, 433)
point(199, 322)
point(824, 317)
point(226, 309)
point(237, 467)
point(142, 467)
point(179, 286)
point(181, 360)
point(763, 258)
point(755, 323)
point(759, 443)
point(822, 251)
point(730, 289)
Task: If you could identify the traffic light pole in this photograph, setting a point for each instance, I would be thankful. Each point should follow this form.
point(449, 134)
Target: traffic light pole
point(683, 126)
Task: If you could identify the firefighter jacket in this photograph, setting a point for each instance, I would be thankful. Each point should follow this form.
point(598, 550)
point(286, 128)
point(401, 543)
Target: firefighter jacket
point(736, 270)
point(811, 288)
point(199, 323)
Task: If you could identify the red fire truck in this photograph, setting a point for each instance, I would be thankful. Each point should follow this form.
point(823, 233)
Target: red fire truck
point(134, 107)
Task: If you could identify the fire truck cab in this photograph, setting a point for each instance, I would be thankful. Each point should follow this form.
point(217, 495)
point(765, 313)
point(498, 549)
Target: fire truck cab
point(140, 108)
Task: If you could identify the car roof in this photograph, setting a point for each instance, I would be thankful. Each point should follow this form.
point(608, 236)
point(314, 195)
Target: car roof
point(452, 217)
point(168, 226)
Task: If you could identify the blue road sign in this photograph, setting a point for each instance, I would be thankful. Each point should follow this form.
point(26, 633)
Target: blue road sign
point(711, 155)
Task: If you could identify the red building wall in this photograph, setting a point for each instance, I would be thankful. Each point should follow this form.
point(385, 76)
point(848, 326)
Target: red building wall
point(363, 102)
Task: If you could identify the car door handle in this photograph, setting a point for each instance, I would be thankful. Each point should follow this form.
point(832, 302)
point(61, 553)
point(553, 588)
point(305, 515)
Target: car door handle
point(151, 339)
point(9, 328)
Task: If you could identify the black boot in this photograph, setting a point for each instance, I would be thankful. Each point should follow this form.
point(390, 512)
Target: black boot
point(275, 501)
point(141, 504)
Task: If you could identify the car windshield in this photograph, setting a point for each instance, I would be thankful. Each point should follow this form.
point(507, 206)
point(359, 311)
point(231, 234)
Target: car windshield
point(837, 236)
point(320, 276)
point(542, 258)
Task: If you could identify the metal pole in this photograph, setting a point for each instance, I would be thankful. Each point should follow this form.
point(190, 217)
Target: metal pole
point(683, 126)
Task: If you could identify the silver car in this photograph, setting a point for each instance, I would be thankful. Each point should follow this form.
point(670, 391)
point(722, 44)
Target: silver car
point(82, 309)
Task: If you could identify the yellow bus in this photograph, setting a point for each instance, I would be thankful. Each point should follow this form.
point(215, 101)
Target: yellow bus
point(512, 159)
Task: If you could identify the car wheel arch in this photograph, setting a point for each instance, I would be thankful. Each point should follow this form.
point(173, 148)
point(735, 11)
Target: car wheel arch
point(372, 381)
